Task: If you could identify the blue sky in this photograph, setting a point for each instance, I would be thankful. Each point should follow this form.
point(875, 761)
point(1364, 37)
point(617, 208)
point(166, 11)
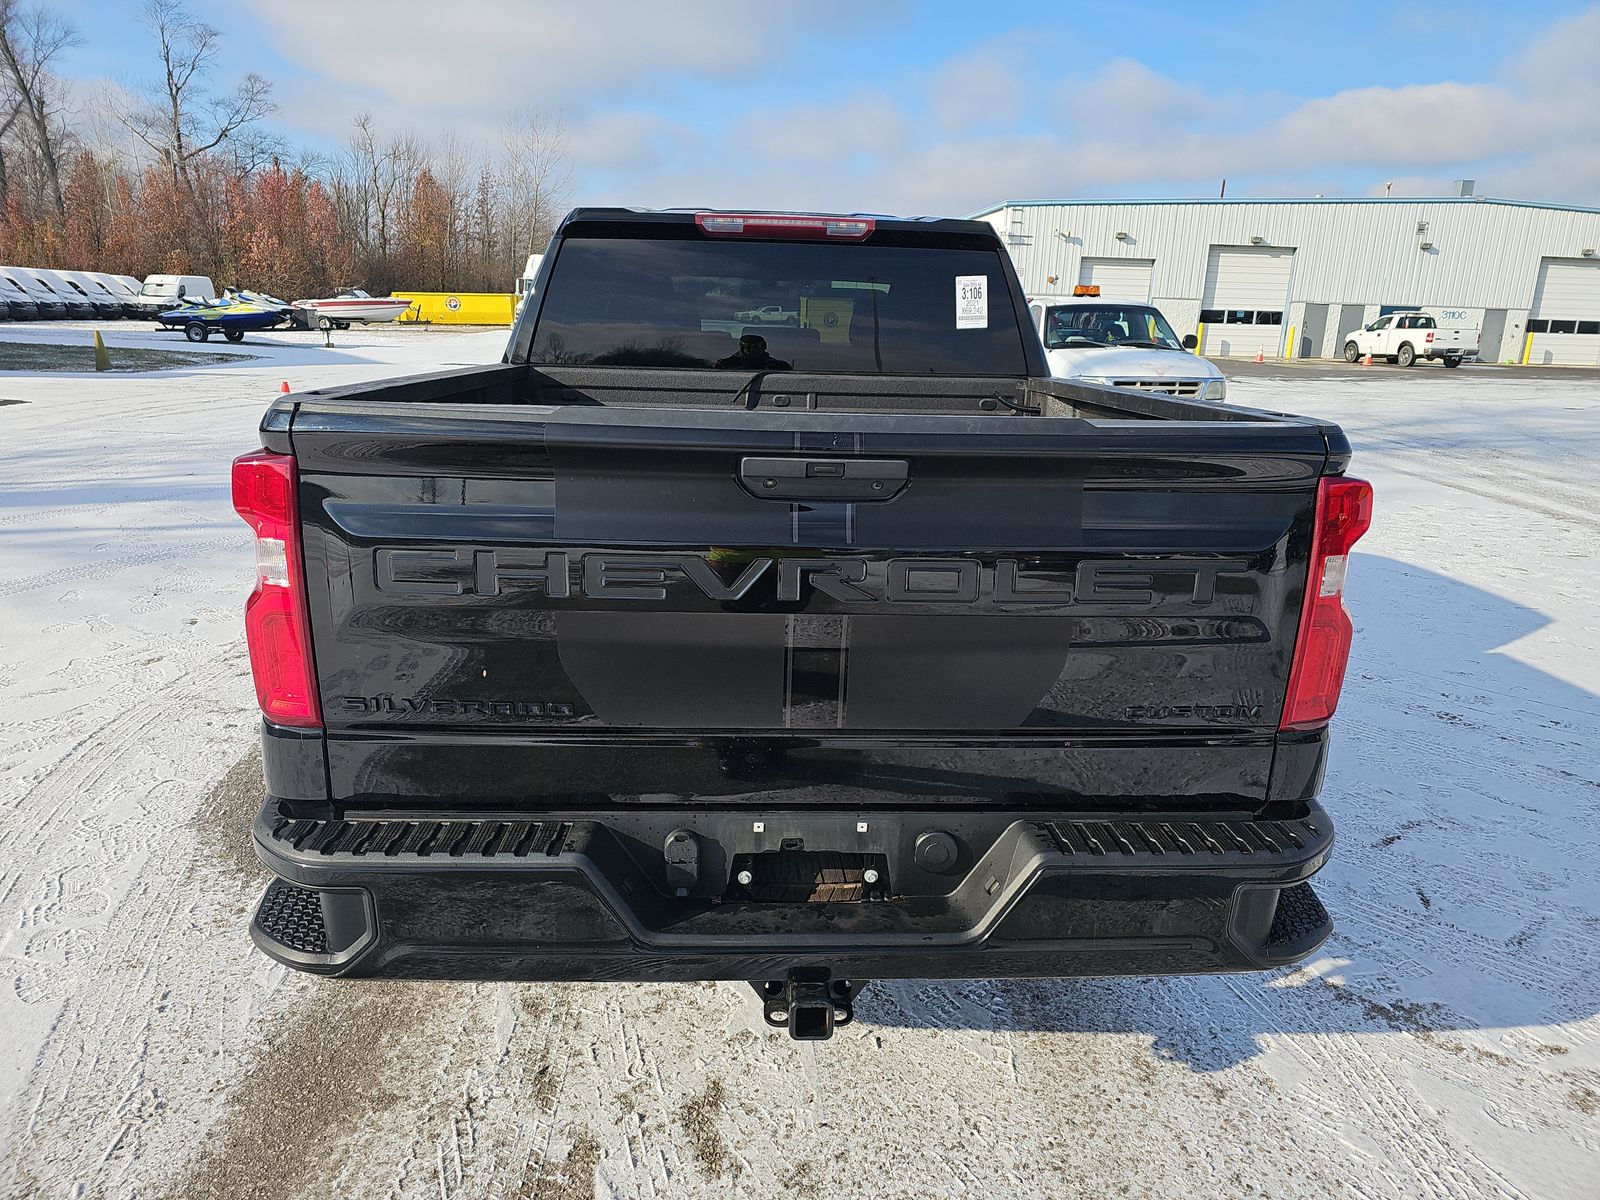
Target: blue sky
point(938, 106)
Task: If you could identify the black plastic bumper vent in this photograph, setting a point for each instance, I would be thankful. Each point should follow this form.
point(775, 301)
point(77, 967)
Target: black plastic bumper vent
point(1093, 839)
point(422, 839)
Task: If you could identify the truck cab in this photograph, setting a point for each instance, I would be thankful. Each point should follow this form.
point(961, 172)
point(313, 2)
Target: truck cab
point(1118, 343)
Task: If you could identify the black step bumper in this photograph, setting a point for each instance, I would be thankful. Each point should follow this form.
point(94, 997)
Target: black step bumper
point(625, 897)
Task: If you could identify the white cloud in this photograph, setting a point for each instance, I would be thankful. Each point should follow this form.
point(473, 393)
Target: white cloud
point(421, 57)
point(983, 88)
point(1126, 98)
point(631, 140)
point(821, 134)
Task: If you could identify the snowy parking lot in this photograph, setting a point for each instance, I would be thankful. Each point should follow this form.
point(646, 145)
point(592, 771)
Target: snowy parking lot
point(1444, 1043)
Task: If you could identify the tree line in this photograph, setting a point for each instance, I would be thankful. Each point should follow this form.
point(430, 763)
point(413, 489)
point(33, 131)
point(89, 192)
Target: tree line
point(185, 174)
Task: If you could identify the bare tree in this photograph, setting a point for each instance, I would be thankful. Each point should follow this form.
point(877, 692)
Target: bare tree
point(181, 119)
point(538, 179)
point(30, 39)
point(373, 179)
point(13, 110)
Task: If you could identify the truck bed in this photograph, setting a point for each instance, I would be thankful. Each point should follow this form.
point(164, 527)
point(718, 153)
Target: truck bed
point(587, 387)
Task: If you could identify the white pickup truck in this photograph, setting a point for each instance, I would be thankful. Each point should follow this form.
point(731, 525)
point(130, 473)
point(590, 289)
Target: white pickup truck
point(1404, 337)
point(1122, 344)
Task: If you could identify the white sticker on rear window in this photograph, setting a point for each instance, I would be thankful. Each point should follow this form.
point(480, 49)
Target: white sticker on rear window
point(972, 302)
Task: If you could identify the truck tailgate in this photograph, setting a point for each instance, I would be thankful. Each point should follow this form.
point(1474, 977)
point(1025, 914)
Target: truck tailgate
point(537, 589)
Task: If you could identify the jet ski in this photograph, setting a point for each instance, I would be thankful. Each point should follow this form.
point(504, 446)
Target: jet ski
point(231, 318)
point(246, 296)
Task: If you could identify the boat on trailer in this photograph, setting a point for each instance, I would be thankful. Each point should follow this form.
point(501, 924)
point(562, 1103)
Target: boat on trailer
point(348, 306)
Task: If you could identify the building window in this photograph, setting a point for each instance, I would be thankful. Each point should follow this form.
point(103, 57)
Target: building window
point(1538, 325)
point(1240, 316)
point(1589, 326)
point(1563, 326)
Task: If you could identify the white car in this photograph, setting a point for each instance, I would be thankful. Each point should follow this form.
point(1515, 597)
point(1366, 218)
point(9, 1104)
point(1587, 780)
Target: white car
point(1123, 344)
point(1404, 337)
point(769, 314)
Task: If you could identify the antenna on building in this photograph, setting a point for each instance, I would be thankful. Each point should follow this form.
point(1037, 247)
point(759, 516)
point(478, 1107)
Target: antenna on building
point(1223, 190)
point(1388, 187)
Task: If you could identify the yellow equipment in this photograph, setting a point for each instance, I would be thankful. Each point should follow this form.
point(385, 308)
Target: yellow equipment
point(457, 308)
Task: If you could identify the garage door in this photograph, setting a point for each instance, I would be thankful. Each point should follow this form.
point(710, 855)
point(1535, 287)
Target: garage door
point(1564, 325)
point(1118, 278)
point(1246, 293)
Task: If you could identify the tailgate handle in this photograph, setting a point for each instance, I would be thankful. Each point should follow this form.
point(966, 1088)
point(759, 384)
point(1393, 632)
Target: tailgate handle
point(824, 478)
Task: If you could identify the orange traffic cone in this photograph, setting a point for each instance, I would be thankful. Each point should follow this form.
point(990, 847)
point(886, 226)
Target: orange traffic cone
point(1261, 354)
point(283, 388)
point(1367, 361)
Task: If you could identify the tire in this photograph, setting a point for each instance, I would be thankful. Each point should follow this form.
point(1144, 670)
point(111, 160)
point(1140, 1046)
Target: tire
point(1352, 352)
point(196, 332)
point(1451, 361)
point(324, 323)
point(233, 335)
point(341, 324)
point(1407, 355)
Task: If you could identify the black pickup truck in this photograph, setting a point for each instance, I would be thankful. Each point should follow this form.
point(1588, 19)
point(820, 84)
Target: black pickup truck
point(842, 646)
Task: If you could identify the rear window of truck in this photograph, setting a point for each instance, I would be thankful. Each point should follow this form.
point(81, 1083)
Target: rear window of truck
point(816, 307)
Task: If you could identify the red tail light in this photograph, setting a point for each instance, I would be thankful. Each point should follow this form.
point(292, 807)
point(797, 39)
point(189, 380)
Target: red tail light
point(275, 621)
point(777, 225)
point(1430, 336)
point(1344, 511)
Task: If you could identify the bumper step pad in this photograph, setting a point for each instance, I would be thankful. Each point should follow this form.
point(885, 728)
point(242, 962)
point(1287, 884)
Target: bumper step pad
point(1300, 923)
point(292, 916)
point(314, 930)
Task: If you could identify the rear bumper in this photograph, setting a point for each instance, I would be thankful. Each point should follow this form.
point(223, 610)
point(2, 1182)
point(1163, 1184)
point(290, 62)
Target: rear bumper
point(586, 897)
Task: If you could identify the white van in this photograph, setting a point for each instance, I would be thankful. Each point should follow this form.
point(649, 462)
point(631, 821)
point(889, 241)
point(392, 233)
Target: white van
point(82, 288)
point(123, 288)
point(19, 302)
point(525, 282)
point(75, 302)
point(49, 304)
point(161, 293)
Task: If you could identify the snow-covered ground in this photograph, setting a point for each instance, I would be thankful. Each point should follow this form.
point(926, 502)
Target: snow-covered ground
point(1445, 1043)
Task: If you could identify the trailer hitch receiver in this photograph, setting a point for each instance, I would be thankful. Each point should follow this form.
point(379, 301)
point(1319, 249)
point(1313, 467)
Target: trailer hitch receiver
point(810, 1009)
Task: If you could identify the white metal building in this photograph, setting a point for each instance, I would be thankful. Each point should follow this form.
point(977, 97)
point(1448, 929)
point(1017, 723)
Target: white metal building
point(1291, 278)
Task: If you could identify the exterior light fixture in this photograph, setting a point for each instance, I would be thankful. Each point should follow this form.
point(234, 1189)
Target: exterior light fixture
point(1257, 240)
point(1122, 235)
point(1589, 253)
